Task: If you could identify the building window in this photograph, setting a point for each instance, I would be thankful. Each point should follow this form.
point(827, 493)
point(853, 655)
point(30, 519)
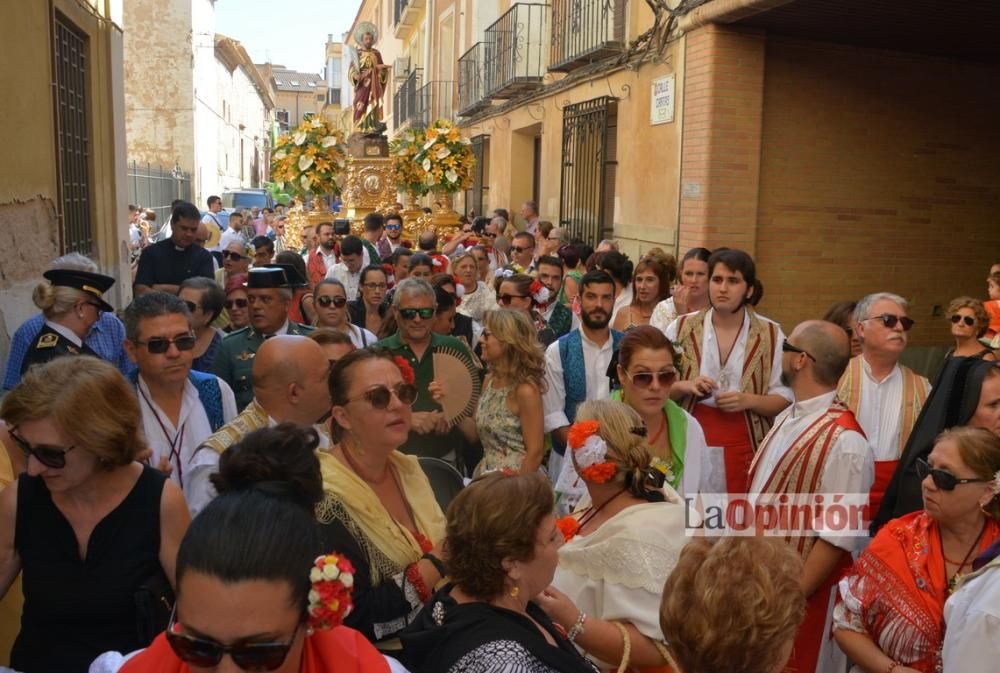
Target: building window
point(294, 82)
point(72, 137)
point(476, 197)
point(281, 116)
point(589, 165)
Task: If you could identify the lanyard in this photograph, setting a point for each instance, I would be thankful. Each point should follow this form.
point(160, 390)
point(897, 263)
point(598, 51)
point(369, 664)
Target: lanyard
point(175, 444)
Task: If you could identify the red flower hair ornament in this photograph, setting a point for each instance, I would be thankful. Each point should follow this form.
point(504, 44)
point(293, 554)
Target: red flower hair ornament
point(404, 368)
point(590, 452)
point(332, 579)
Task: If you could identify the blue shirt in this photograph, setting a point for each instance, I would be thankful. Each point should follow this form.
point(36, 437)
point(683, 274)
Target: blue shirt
point(105, 338)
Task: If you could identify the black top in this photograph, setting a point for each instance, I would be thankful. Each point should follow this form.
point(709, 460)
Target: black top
point(164, 263)
point(49, 345)
point(75, 609)
point(449, 637)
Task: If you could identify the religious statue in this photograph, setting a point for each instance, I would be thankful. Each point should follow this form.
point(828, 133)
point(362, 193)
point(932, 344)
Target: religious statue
point(369, 77)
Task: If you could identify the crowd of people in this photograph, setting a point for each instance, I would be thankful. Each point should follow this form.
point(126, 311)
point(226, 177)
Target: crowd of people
point(491, 453)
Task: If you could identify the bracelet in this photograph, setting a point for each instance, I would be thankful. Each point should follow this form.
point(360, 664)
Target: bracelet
point(627, 651)
point(437, 563)
point(414, 577)
point(577, 629)
point(893, 665)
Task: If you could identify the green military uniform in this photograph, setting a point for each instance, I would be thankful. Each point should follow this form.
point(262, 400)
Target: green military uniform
point(234, 359)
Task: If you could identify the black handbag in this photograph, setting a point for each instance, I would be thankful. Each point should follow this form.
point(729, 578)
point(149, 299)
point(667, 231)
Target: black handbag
point(154, 603)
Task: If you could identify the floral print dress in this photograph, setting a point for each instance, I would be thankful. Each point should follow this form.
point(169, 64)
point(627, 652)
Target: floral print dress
point(499, 431)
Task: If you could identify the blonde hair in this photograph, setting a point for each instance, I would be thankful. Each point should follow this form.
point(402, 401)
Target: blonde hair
point(622, 429)
point(980, 450)
point(978, 310)
point(88, 399)
point(524, 360)
point(56, 300)
point(733, 604)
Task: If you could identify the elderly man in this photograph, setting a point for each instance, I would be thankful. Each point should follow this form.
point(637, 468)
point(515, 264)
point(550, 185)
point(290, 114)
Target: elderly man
point(180, 407)
point(290, 375)
point(529, 211)
point(885, 396)
point(497, 259)
point(165, 265)
point(815, 446)
point(269, 294)
point(415, 305)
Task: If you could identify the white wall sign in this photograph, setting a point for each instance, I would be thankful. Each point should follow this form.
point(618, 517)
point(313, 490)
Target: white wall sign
point(661, 101)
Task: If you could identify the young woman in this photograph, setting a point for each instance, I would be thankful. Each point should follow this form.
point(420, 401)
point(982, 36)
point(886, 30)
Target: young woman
point(690, 295)
point(330, 299)
point(368, 310)
point(651, 282)
point(524, 293)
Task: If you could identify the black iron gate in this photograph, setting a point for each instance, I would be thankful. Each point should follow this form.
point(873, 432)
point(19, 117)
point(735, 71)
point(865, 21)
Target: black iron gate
point(475, 199)
point(590, 152)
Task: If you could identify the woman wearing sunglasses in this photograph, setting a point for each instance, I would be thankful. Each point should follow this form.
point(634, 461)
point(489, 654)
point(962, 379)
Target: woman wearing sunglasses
point(889, 618)
point(379, 498)
point(92, 532)
point(524, 293)
point(12, 464)
point(205, 301)
point(246, 573)
point(969, 321)
point(330, 300)
point(237, 306)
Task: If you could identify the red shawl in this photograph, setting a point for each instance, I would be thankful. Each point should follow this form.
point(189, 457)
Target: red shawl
point(341, 649)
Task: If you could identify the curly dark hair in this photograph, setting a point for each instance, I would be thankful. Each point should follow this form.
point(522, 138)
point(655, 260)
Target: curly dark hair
point(496, 517)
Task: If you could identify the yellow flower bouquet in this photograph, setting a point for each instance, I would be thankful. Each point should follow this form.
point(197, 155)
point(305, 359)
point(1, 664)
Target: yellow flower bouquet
point(410, 175)
point(446, 158)
point(309, 159)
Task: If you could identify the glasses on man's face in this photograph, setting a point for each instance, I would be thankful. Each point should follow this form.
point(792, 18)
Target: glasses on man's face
point(380, 396)
point(967, 319)
point(235, 256)
point(325, 301)
point(392, 227)
point(506, 299)
point(518, 249)
point(237, 303)
point(49, 456)
point(412, 313)
point(943, 479)
point(790, 348)
point(665, 378)
point(890, 320)
point(489, 235)
point(160, 345)
point(374, 286)
point(203, 653)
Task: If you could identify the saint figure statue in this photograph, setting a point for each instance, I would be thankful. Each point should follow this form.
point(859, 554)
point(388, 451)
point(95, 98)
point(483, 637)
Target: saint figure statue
point(369, 77)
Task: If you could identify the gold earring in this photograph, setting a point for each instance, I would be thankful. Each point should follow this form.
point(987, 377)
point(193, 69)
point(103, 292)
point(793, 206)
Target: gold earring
point(514, 591)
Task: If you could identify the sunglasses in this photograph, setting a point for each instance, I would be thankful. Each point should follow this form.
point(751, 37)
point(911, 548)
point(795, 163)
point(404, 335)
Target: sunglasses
point(392, 227)
point(506, 299)
point(238, 303)
point(967, 319)
point(49, 456)
point(890, 321)
point(192, 307)
point(411, 313)
point(159, 345)
point(519, 250)
point(235, 256)
point(325, 302)
point(208, 653)
point(943, 479)
point(380, 396)
point(789, 348)
point(664, 377)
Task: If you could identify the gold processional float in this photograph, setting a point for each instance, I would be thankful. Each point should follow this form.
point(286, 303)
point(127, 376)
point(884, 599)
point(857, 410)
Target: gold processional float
point(314, 161)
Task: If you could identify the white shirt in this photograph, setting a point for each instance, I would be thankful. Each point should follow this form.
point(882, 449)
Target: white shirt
point(730, 377)
point(66, 332)
point(350, 280)
point(192, 429)
point(972, 615)
point(849, 467)
point(329, 260)
point(361, 337)
point(211, 221)
point(664, 313)
point(879, 411)
point(623, 300)
point(596, 360)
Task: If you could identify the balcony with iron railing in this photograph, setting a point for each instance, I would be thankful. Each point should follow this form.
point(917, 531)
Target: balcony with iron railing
point(435, 100)
point(516, 55)
point(404, 101)
point(472, 81)
point(584, 31)
point(405, 16)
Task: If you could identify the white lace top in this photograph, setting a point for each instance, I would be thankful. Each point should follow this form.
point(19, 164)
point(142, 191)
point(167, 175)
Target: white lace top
point(475, 304)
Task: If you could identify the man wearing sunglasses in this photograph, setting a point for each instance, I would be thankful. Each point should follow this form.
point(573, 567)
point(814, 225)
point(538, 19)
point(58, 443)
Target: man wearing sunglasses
point(415, 304)
point(815, 446)
point(269, 295)
point(180, 407)
point(393, 233)
point(522, 251)
point(886, 396)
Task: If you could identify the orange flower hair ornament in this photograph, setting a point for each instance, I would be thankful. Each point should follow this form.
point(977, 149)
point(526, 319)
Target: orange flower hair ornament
point(590, 452)
point(405, 369)
point(332, 579)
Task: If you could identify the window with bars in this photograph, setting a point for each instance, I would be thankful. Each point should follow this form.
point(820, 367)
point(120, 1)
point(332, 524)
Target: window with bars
point(590, 153)
point(73, 137)
point(476, 197)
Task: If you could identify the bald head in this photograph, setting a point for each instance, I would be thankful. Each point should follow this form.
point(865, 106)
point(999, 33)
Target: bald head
point(829, 344)
point(280, 359)
point(290, 379)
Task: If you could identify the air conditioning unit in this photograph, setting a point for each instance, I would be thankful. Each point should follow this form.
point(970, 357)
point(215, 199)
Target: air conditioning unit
point(400, 69)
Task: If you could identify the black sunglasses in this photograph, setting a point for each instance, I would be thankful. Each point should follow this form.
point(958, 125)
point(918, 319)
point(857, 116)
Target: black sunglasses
point(325, 301)
point(411, 313)
point(665, 378)
point(235, 256)
point(49, 456)
point(890, 320)
point(159, 345)
point(208, 653)
point(380, 396)
point(967, 319)
point(943, 479)
point(789, 348)
point(505, 299)
point(519, 250)
point(238, 303)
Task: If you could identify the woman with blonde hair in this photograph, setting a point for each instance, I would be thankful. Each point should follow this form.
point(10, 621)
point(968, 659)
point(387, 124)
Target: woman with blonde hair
point(969, 321)
point(621, 543)
point(733, 604)
point(509, 415)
